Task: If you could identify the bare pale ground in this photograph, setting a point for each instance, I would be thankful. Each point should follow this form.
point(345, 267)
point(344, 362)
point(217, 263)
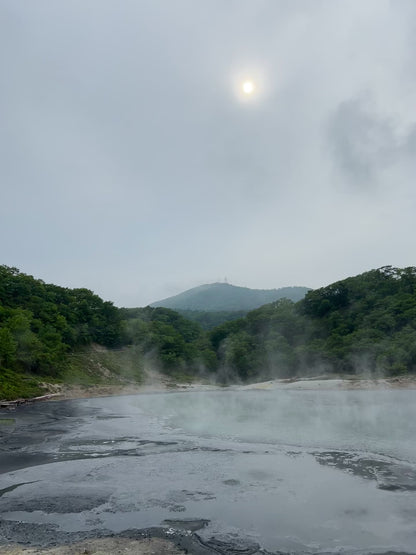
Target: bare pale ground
point(102, 546)
point(325, 383)
point(159, 383)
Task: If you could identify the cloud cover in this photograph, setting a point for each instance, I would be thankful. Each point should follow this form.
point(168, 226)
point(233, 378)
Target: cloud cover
point(130, 165)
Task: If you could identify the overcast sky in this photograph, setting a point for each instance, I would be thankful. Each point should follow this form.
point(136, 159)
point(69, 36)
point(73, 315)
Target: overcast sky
point(131, 164)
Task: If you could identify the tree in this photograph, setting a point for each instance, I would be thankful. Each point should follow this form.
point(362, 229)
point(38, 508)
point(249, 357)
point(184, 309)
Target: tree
point(8, 348)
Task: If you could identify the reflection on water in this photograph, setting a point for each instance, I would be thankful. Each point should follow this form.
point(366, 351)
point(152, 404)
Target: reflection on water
point(291, 471)
point(377, 421)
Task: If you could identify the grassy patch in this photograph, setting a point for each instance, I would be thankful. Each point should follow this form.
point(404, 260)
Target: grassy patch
point(96, 365)
point(14, 385)
point(93, 365)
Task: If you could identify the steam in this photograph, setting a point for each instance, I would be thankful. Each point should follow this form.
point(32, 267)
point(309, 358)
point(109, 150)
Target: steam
point(311, 417)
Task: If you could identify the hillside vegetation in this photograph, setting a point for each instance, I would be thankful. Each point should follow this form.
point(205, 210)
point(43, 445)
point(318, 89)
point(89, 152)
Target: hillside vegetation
point(168, 341)
point(51, 333)
point(209, 319)
point(219, 297)
point(41, 323)
point(363, 324)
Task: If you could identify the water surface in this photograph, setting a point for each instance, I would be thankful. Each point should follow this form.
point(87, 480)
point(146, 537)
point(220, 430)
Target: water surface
point(292, 471)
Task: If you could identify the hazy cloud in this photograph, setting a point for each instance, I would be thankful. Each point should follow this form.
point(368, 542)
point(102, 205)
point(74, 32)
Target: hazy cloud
point(129, 163)
point(364, 143)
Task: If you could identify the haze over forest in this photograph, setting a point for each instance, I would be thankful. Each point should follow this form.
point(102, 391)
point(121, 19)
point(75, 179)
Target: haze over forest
point(152, 153)
point(131, 164)
point(213, 297)
point(362, 325)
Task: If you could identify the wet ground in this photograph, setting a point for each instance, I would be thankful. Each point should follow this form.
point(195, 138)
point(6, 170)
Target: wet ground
point(215, 472)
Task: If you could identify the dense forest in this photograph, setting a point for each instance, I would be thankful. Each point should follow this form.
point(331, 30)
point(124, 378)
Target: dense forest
point(363, 324)
point(210, 320)
point(44, 328)
point(169, 341)
point(41, 323)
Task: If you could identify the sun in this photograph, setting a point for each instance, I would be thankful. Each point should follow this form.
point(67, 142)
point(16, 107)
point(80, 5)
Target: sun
point(248, 87)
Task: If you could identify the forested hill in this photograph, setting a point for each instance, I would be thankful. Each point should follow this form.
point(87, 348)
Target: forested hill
point(215, 297)
point(40, 323)
point(363, 324)
point(210, 319)
point(52, 333)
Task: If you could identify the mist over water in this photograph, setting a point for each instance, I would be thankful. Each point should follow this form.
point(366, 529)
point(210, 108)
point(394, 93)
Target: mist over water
point(282, 470)
point(378, 421)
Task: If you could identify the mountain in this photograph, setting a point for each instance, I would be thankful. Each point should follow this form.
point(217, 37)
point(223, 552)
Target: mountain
point(215, 297)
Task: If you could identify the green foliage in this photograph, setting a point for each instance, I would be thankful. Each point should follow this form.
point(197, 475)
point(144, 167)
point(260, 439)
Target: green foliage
point(94, 365)
point(209, 320)
point(169, 341)
point(8, 347)
point(367, 320)
point(14, 385)
point(362, 324)
point(41, 323)
point(262, 343)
